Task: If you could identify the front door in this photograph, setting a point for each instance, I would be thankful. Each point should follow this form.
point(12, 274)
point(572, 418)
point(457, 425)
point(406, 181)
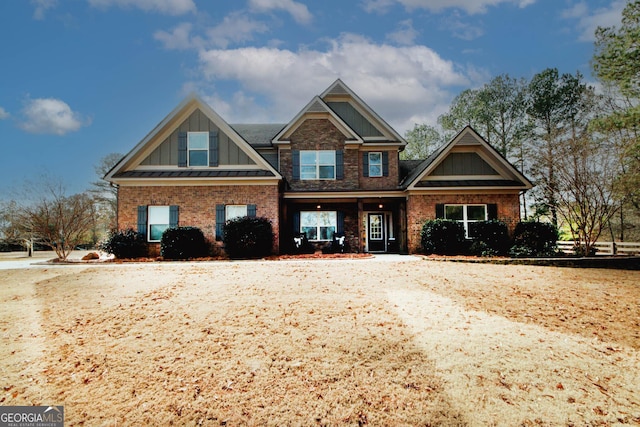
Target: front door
point(377, 233)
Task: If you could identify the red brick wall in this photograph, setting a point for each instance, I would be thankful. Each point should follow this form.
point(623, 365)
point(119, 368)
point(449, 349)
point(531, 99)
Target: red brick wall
point(197, 204)
point(389, 182)
point(422, 208)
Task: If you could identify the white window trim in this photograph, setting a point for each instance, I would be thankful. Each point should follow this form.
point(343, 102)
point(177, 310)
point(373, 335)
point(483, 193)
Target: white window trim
point(465, 220)
point(189, 149)
point(317, 165)
point(371, 163)
point(151, 220)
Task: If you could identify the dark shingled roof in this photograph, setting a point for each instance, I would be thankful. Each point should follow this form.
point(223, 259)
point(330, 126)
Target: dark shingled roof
point(258, 135)
point(469, 183)
point(407, 166)
point(205, 173)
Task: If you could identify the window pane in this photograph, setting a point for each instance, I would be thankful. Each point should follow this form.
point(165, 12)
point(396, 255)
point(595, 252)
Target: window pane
point(375, 158)
point(326, 233)
point(327, 218)
point(235, 211)
point(158, 215)
point(453, 212)
point(198, 158)
point(307, 157)
point(375, 170)
point(308, 172)
point(198, 140)
point(327, 157)
point(156, 230)
point(327, 172)
point(476, 213)
point(308, 219)
point(310, 232)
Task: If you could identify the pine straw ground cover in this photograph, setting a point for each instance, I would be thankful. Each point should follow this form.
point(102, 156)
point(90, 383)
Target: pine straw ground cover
point(323, 342)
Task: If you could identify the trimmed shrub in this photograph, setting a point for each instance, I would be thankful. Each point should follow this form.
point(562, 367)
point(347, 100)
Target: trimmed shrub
point(183, 243)
point(443, 237)
point(247, 237)
point(490, 238)
point(125, 244)
point(534, 239)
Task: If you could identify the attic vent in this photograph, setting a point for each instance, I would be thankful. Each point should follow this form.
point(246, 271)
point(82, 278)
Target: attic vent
point(317, 107)
point(338, 90)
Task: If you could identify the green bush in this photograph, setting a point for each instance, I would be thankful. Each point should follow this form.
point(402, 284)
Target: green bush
point(183, 243)
point(534, 239)
point(124, 244)
point(247, 237)
point(443, 237)
point(490, 238)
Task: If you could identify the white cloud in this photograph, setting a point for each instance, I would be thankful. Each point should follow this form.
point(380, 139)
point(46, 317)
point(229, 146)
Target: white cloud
point(3, 114)
point(397, 82)
point(235, 28)
point(50, 116)
point(470, 6)
point(41, 7)
point(405, 35)
point(179, 38)
point(378, 6)
point(589, 20)
point(169, 7)
point(460, 29)
point(298, 11)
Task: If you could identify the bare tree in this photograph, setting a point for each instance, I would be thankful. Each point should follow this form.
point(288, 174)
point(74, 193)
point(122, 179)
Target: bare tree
point(586, 174)
point(104, 194)
point(55, 219)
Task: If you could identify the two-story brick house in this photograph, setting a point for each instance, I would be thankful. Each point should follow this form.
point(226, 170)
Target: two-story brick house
point(333, 169)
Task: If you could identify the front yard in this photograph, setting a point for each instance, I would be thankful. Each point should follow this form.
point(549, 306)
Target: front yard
point(327, 342)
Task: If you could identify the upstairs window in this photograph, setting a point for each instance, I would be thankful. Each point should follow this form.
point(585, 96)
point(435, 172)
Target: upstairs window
point(317, 164)
point(375, 163)
point(198, 148)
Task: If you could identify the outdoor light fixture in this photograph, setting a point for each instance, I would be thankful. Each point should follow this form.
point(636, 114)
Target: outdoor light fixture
point(318, 207)
point(380, 206)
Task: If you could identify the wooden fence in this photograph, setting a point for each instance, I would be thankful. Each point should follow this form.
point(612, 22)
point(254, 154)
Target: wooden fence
point(604, 248)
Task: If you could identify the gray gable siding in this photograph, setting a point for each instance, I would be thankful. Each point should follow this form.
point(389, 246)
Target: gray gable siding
point(463, 164)
point(354, 119)
point(166, 154)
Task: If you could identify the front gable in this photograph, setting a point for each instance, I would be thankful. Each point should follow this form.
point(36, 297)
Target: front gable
point(466, 162)
point(317, 109)
point(167, 153)
point(359, 116)
point(163, 156)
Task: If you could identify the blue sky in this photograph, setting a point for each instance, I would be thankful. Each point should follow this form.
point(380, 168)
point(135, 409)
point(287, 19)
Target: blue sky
point(80, 79)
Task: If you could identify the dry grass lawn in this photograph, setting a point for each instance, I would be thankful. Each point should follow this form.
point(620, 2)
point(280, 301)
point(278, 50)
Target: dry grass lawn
point(323, 342)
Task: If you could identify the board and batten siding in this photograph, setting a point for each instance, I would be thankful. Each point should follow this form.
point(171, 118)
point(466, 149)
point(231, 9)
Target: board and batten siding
point(354, 119)
point(166, 154)
point(456, 164)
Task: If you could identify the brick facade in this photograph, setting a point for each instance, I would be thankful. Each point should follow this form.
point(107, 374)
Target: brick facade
point(197, 204)
point(421, 208)
point(321, 134)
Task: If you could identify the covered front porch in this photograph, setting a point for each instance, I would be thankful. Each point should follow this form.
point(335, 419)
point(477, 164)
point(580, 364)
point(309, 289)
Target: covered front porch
point(369, 223)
